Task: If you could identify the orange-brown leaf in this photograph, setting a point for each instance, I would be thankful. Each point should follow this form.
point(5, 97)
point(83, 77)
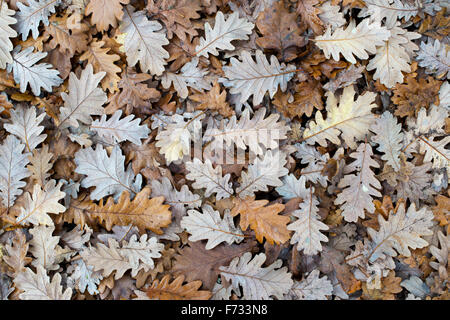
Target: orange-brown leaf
point(437, 26)
point(175, 290)
point(264, 220)
point(442, 209)
point(308, 96)
point(213, 100)
point(102, 61)
point(142, 212)
point(413, 95)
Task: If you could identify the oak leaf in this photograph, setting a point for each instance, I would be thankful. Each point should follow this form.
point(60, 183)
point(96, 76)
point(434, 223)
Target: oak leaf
point(105, 13)
point(16, 254)
point(178, 201)
point(43, 246)
point(401, 231)
point(354, 40)
point(211, 227)
point(309, 14)
point(135, 254)
point(224, 31)
point(330, 15)
point(135, 93)
point(411, 181)
point(262, 218)
point(257, 283)
point(437, 26)
point(262, 173)
point(175, 290)
point(26, 71)
point(247, 77)
point(84, 99)
point(435, 58)
point(6, 46)
point(30, 16)
point(42, 201)
point(280, 31)
point(307, 97)
point(84, 278)
point(103, 62)
point(393, 57)
point(116, 130)
point(389, 137)
point(254, 133)
point(213, 100)
point(358, 190)
point(352, 119)
point(26, 125)
point(413, 95)
point(206, 176)
point(176, 16)
point(190, 75)
point(37, 286)
point(307, 227)
point(392, 10)
point(311, 287)
point(69, 33)
point(143, 212)
point(198, 263)
point(106, 174)
point(12, 170)
point(142, 42)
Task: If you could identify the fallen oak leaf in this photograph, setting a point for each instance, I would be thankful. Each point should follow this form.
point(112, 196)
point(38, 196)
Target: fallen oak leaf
point(105, 13)
point(264, 220)
point(142, 212)
point(175, 290)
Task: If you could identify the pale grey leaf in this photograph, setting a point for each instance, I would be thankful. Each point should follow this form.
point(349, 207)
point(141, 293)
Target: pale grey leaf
point(106, 174)
point(26, 71)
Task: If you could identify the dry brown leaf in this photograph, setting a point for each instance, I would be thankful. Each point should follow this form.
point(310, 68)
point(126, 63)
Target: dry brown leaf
point(264, 220)
point(145, 159)
point(175, 290)
point(78, 212)
point(442, 210)
point(102, 61)
point(4, 103)
point(69, 33)
point(176, 16)
point(333, 261)
point(135, 93)
point(317, 65)
point(197, 263)
point(142, 212)
point(437, 26)
point(307, 97)
point(280, 31)
point(309, 15)
point(213, 100)
point(105, 13)
point(390, 287)
point(414, 95)
point(60, 60)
